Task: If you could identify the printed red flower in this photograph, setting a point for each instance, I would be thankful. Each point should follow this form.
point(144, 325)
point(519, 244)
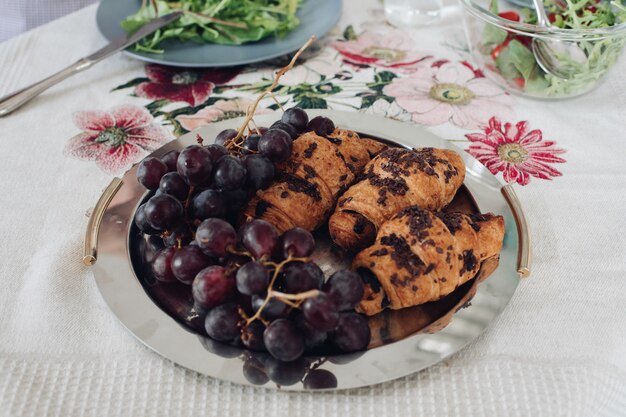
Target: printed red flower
point(193, 86)
point(116, 138)
point(515, 151)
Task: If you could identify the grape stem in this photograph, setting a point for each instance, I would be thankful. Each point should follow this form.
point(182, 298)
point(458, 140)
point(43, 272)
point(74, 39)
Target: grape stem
point(271, 293)
point(240, 252)
point(188, 199)
point(258, 132)
point(296, 297)
point(268, 91)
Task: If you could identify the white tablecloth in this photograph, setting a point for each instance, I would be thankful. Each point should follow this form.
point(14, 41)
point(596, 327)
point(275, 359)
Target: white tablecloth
point(559, 349)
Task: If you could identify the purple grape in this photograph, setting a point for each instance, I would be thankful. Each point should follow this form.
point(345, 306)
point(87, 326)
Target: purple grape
point(219, 348)
point(345, 288)
point(252, 336)
point(209, 203)
point(194, 165)
point(155, 244)
point(321, 312)
point(286, 373)
point(320, 379)
point(283, 340)
point(276, 145)
point(260, 171)
point(274, 308)
point(224, 136)
point(169, 159)
point(291, 131)
point(142, 222)
point(235, 199)
point(163, 211)
point(150, 172)
point(313, 339)
point(250, 144)
point(211, 287)
point(321, 125)
point(180, 232)
point(162, 265)
point(173, 184)
point(229, 174)
point(297, 242)
point(187, 262)
point(216, 151)
point(296, 117)
point(215, 237)
point(252, 278)
point(260, 238)
point(254, 371)
point(352, 333)
point(222, 323)
point(300, 277)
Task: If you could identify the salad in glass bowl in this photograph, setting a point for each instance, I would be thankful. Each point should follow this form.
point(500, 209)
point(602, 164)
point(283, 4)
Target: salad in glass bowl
point(567, 58)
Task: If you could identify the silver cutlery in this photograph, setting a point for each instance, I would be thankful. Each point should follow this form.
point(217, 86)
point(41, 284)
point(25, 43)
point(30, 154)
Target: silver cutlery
point(14, 100)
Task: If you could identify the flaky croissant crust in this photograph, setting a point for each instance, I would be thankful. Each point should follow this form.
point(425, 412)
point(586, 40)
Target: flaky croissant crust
point(420, 256)
point(307, 185)
point(395, 179)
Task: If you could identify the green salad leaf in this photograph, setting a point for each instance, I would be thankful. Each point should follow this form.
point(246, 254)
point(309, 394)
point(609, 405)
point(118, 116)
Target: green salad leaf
point(511, 52)
point(228, 22)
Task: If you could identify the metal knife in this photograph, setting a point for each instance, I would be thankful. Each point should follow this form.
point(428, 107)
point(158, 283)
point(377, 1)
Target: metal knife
point(14, 100)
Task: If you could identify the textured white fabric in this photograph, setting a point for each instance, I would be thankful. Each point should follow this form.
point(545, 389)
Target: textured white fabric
point(559, 349)
point(20, 16)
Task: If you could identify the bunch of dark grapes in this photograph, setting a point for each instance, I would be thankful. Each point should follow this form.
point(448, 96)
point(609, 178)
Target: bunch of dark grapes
point(257, 288)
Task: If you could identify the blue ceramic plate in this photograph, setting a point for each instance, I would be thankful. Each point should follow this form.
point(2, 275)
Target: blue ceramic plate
point(317, 17)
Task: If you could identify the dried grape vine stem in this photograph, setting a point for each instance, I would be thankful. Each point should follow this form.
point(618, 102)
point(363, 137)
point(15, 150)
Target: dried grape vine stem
point(236, 141)
point(287, 298)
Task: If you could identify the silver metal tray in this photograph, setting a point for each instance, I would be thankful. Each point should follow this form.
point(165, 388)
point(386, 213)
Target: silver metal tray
point(403, 341)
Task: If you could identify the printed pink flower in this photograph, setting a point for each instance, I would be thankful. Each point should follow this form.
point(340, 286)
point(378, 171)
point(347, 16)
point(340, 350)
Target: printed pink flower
point(221, 110)
point(193, 86)
point(441, 91)
point(515, 151)
point(391, 48)
point(116, 138)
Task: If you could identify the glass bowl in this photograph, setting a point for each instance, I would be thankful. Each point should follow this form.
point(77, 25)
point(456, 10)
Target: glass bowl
point(576, 61)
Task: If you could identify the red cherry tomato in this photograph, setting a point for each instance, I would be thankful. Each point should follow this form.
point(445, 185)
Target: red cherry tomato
point(592, 9)
point(496, 51)
point(510, 15)
point(524, 40)
point(552, 17)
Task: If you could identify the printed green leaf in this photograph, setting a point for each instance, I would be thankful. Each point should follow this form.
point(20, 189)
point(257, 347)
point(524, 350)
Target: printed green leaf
point(132, 83)
point(349, 34)
point(311, 103)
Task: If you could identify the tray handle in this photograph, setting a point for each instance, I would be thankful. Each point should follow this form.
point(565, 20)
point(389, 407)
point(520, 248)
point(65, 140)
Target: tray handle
point(524, 252)
point(90, 251)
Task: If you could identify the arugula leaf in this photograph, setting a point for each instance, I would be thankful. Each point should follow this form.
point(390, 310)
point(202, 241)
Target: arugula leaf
point(229, 22)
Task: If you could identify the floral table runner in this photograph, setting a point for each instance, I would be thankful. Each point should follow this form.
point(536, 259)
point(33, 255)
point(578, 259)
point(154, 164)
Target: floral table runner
point(369, 67)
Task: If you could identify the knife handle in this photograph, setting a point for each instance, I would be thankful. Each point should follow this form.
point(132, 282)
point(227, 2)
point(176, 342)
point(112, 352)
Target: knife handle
point(15, 100)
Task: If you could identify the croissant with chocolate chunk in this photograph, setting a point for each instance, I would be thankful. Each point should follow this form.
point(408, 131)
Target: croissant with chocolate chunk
point(421, 256)
point(307, 185)
point(395, 179)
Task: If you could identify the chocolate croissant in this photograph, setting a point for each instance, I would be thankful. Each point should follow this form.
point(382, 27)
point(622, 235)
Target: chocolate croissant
point(421, 256)
point(307, 185)
point(395, 179)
